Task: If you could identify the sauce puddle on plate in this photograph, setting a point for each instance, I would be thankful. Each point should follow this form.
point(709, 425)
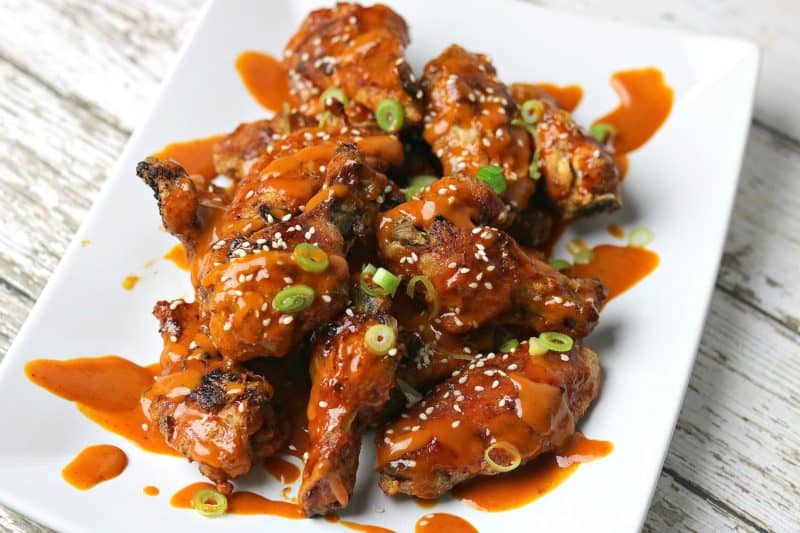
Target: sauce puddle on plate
point(281, 469)
point(95, 465)
point(107, 390)
point(177, 255)
point(618, 267)
point(242, 502)
point(532, 480)
point(130, 282)
point(151, 491)
point(355, 526)
point(265, 78)
point(566, 96)
point(443, 523)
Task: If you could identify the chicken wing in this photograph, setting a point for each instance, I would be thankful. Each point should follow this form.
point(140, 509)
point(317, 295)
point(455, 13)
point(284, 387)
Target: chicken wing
point(211, 411)
point(359, 50)
point(350, 385)
point(579, 176)
point(509, 400)
point(469, 122)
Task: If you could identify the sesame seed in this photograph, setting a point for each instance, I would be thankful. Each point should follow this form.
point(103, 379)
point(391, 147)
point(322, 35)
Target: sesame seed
point(478, 388)
point(495, 383)
point(326, 298)
point(323, 404)
point(564, 357)
point(512, 367)
point(455, 423)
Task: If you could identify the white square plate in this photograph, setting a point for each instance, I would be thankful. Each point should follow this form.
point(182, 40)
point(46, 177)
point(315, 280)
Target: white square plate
point(681, 185)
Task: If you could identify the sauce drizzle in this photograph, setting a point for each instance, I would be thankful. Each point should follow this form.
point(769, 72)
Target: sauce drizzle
point(532, 480)
point(443, 523)
point(265, 77)
point(151, 491)
point(177, 255)
point(355, 526)
point(281, 469)
point(107, 390)
point(195, 156)
point(566, 96)
point(618, 267)
point(241, 502)
point(130, 282)
point(95, 465)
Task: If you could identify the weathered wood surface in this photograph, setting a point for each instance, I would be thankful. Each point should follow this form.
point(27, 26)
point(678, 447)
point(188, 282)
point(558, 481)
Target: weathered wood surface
point(76, 76)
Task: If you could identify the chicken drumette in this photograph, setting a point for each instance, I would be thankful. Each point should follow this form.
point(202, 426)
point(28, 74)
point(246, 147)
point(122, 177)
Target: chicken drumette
point(499, 403)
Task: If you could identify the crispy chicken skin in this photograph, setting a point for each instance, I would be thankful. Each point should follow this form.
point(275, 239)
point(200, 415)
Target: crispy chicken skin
point(529, 402)
point(579, 176)
point(468, 122)
point(209, 410)
point(237, 151)
point(481, 276)
point(358, 49)
point(349, 386)
point(246, 257)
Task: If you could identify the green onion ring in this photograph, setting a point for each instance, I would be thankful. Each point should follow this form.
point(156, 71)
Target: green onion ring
point(509, 346)
point(463, 356)
point(433, 296)
point(389, 115)
point(493, 176)
point(559, 264)
point(535, 348)
point(640, 237)
point(386, 280)
point(508, 448)
point(293, 299)
point(416, 184)
point(210, 503)
point(310, 257)
point(602, 132)
point(531, 111)
point(380, 339)
point(583, 256)
point(558, 342)
point(335, 93)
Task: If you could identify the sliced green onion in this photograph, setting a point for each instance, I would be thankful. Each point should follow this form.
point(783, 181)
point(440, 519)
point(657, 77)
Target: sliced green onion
point(386, 280)
point(535, 347)
point(412, 395)
point(509, 346)
point(433, 296)
point(583, 256)
point(559, 264)
point(210, 503)
point(533, 169)
point(507, 447)
point(416, 184)
point(463, 357)
point(380, 339)
point(640, 237)
point(324, 118)
point(293, 299)
point(389, 115)
point(558, 342)
point(310, 257)
point(335, 93)
point(493, 176)
point(602, 131)
point(531, 111)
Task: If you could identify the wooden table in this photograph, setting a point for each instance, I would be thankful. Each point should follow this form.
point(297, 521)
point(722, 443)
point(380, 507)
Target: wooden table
point(77, 76)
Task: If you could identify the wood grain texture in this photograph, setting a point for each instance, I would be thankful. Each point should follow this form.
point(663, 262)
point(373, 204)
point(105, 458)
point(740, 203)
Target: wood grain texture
point(77, 75)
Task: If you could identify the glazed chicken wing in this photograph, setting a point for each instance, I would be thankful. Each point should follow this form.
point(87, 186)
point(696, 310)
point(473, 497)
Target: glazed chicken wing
point(359, 50)
point(579, 176)
point(469, 122)
point(507, 400)
point(350, 385)
point(211, 411)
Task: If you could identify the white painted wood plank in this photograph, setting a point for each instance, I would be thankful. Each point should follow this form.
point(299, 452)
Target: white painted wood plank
point(772, 25)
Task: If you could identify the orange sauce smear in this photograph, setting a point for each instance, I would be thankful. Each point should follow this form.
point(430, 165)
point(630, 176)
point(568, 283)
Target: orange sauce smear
point(645, 103)
point(619, 267)
point(243, 502)
point(566, 96)
point(265, 77)
point(355, 526)
point(106, 390)
point(532, 480)
point(281, 469)
point(130, 282)
point(177, 255)
point(195, 156)
point(151, 491)
point(443, 523)
point(615, 231)
point(95, 465)
point(426, 504)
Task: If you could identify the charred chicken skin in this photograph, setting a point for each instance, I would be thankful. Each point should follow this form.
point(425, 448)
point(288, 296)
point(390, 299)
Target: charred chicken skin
point(359, 51)
point(208, 409)
point(531, 403)
point(350, 385)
